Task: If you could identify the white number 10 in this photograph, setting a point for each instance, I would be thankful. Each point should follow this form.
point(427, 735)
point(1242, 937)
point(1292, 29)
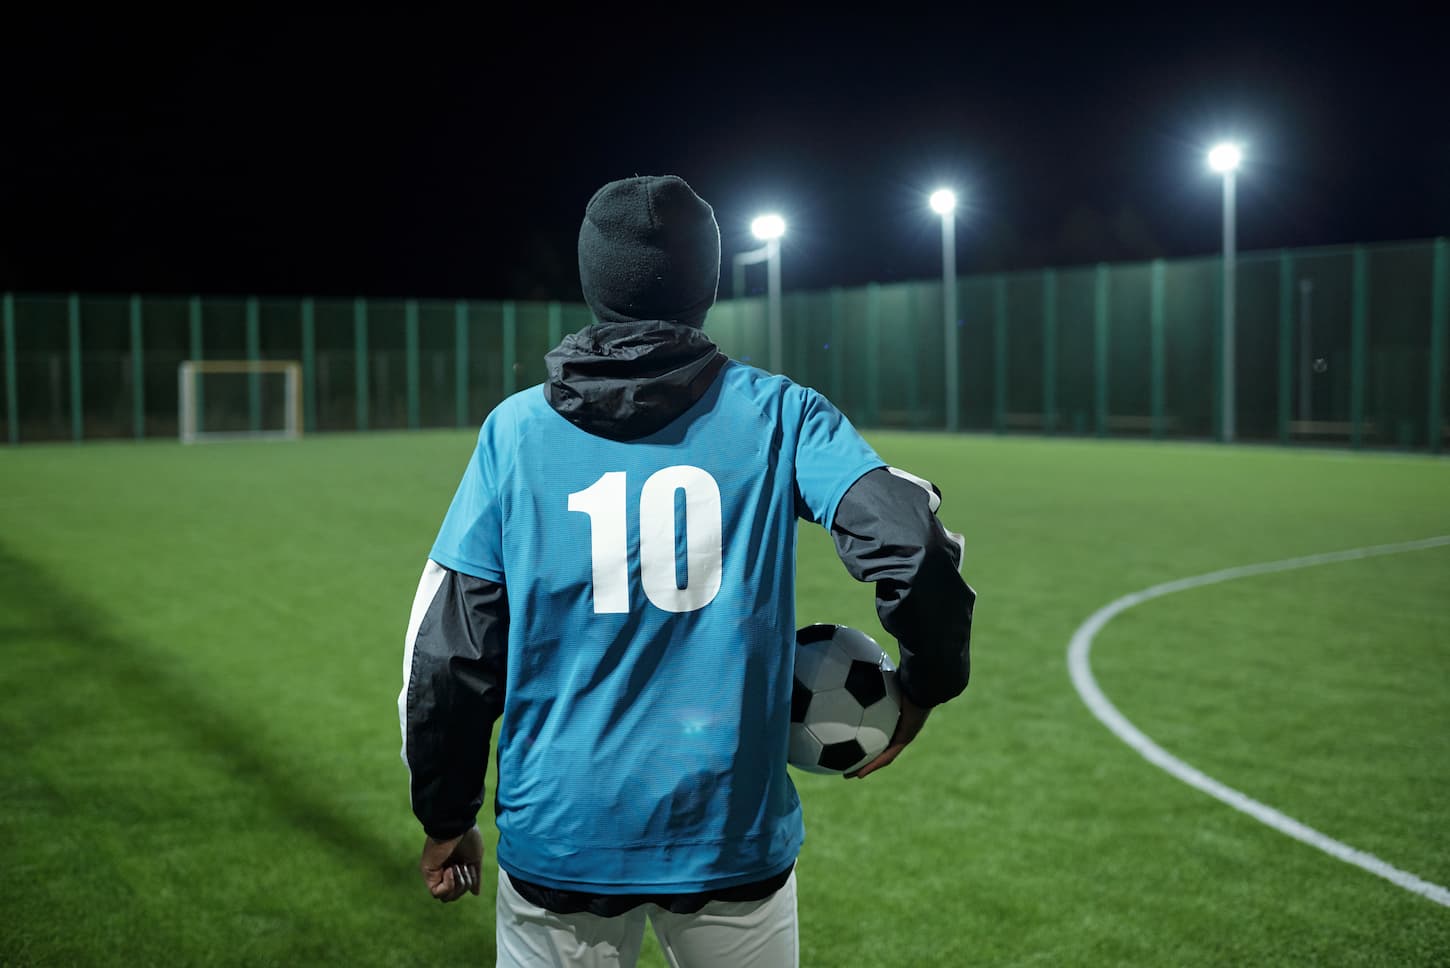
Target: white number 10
point(604, 502)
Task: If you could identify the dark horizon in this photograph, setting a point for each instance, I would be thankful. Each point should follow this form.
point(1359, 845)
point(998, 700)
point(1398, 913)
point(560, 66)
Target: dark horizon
point(432, 157)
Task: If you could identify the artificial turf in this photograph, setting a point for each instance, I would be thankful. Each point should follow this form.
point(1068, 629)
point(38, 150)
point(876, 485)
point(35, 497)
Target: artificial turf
point(200, 650)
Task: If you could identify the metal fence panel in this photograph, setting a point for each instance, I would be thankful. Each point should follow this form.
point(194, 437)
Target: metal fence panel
point(1340, 345)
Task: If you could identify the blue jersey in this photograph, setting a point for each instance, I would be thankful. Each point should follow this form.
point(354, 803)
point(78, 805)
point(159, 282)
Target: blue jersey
point(651, 595)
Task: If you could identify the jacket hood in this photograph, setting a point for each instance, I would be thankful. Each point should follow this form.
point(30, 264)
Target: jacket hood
point(627, 380)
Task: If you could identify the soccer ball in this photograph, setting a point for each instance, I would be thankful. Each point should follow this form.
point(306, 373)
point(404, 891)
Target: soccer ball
point(844, 701)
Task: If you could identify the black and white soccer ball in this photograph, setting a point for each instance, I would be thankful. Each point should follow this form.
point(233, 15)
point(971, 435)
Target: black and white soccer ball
point(844, 702)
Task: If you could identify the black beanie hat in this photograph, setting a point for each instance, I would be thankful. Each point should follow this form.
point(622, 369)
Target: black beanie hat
point(649, 248)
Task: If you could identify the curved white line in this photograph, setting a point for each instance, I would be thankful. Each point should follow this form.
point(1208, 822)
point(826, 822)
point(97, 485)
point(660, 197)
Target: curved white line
point(1104, 710)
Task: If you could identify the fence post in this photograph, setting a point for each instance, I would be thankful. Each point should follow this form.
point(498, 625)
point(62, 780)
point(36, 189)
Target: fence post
point(951, 345)
point(797, 367)
point(12, 417)
point(1359, 323)
point(1155, 345)
point(196, 349)
point(460, 363)
point(1100, 349)
point(73, 318)
point(999, 355)
point(873, 353)
point(1439, 310)
point(837, 346)
point(309, 367)
point(1049, 351)
point(556, 324)
point(138, 371)
point(360, 349)
point(410, 359)
point(1215, 384)
point(904, 353)
point(1286, 340)
point(510, 347)
point(254, 353)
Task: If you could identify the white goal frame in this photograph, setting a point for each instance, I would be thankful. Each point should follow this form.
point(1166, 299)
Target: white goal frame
point(190, 370)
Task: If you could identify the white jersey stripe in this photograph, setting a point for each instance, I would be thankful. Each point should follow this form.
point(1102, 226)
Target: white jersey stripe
point(933, 498)
point(933, 501)
point(433, 575)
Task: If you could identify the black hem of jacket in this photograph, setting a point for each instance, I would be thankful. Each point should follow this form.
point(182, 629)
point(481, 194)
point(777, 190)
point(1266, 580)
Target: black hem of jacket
point(613, 905)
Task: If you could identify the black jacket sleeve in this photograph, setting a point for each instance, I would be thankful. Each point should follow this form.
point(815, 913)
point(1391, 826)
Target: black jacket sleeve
point(453, 691)
point(886, 531)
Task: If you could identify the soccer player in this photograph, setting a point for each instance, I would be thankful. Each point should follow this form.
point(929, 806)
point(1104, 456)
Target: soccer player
point(615, 581)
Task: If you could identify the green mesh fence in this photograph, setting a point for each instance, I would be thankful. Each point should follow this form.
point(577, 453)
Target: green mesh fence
point(1340, 346)
point(1332, 346)
point(87, 367)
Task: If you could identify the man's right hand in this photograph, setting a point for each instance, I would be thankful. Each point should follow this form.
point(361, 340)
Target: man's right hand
point(913, 717)
point(451, 868)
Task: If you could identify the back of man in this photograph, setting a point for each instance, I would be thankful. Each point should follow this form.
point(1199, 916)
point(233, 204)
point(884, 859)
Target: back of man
point(615, 580)
point(651, 588)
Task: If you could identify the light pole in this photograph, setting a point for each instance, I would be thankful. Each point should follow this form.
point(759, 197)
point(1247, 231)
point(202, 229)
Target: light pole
point(944, 202)
point(1224, 159)
point(769, 229)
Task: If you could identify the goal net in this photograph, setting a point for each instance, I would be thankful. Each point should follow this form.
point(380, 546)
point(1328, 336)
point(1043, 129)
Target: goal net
point(237, 399)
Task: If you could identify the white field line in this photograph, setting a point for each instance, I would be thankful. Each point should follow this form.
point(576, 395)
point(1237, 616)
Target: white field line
point(1082, 678)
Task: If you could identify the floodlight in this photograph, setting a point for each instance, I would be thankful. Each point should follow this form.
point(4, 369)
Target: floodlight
point(768, 227)
point(943, 201)
point(1225, 157)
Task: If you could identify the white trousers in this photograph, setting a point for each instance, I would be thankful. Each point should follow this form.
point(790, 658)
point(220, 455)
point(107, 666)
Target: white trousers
point(722, 934)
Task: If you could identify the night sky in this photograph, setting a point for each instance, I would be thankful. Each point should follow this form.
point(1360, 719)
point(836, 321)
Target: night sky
point(446, 157)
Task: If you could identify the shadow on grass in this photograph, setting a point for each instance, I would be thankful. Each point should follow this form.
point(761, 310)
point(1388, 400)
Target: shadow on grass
point(67, 640)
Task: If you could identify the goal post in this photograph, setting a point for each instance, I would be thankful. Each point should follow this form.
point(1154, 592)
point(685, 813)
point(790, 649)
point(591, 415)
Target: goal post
point(239, 399)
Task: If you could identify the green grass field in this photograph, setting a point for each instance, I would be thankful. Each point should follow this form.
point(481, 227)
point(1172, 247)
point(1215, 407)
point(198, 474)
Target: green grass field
point(202, 649)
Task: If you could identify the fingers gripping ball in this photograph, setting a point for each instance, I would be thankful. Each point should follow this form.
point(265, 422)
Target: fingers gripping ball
point(844, 700)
